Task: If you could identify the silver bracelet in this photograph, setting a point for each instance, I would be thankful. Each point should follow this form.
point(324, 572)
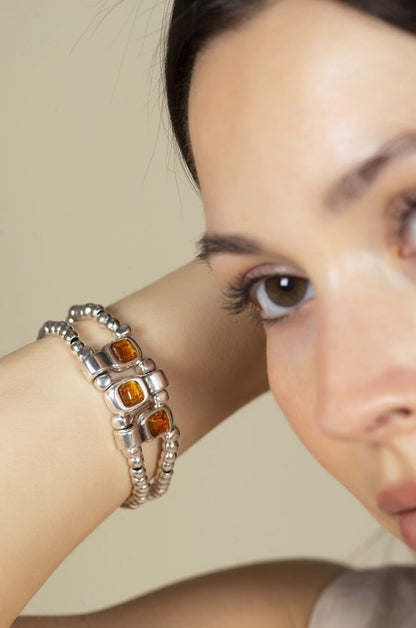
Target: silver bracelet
point(135, 392)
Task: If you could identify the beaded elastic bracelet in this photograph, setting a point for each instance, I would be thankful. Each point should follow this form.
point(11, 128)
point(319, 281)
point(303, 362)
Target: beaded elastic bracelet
point(134, 391)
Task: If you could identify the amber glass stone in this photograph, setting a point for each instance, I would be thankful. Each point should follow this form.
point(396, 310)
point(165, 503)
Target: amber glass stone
point(124, 350)
point(158, 423)
point(131, 393)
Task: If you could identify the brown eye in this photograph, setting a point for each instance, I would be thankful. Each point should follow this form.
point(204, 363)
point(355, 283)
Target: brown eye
point(408, 229)
point(286, 291)
point(276, 296)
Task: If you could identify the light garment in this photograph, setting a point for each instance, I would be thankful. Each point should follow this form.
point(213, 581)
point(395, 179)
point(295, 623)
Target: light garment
point(372, 598)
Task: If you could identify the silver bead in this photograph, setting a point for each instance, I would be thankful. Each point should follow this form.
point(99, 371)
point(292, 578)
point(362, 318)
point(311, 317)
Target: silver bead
point(73, 312)
point(102, 382)
point(143, 491)
point(123, 330)
point(158, 491)
point(133, 505)
point(88, 308)
point(147, 365)
point(128, 438)
point(170, 456)
point(173, 434)
point(136, 493)
point(137, 473)
point(48, 327)
point(85, 353)
point(170, 445)
point(136, 461)
point(70, 335)
point(141, 485)
point(97, 309)
point(70, 320)
point(77, 346)
point(103, 318)
point(113, 324)
point(138, 477)
point(140, 499)
point(121, 422)
point(63, 329)
point(161, 398)
point(96, 364)
point(133, 451)
point(156, 381)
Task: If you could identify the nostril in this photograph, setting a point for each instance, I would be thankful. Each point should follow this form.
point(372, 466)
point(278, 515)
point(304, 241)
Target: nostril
point(391, 417)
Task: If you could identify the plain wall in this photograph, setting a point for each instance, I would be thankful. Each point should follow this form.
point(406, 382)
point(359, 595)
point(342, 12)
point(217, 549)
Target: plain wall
point(87, 164)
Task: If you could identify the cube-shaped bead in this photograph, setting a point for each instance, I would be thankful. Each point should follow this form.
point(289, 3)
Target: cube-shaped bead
point(131, 393)
point(124, 350)
point(158, 423)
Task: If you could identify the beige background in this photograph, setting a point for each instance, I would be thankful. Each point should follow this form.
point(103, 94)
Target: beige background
point(93, 206)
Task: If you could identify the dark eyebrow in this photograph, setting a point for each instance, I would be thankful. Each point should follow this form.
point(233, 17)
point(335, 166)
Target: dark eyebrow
point(213, 244)
point(355, 183)
point(347, 189)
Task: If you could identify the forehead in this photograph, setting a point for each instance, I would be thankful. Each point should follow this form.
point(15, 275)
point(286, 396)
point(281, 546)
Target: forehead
point(282, 106)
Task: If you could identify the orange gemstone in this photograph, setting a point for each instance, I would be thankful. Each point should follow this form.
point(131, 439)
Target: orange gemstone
point(124, 350)
point(130, 393)
point(158, 423)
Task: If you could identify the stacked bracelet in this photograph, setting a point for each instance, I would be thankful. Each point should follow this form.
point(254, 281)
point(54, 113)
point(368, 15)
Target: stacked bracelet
point(135, 392)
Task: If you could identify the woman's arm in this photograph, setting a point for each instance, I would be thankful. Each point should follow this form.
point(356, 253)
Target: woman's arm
point(61, 472)
point(267, 595)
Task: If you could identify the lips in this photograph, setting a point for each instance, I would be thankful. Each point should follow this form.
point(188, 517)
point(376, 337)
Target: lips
point(396, 500)
point(401, 501)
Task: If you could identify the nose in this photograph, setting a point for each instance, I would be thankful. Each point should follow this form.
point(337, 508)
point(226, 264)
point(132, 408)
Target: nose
point(367, 360)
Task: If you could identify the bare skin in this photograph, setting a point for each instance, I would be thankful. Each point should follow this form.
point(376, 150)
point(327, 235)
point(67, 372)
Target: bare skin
point(300, 95)
point(50, 420)
point(270, 595)
point(57, 404)
point(294, 99)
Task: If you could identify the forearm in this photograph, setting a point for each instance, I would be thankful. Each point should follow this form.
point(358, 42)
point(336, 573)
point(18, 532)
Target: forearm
point(61, 472)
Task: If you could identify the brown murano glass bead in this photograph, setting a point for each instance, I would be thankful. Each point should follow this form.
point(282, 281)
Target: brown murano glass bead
point(158, 423)
point(124, 350)
point(130, 393)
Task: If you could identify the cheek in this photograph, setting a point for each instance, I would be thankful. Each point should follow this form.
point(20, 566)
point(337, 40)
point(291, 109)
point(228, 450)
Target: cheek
point(292, 382)
point(292, 371)
point(293, 378)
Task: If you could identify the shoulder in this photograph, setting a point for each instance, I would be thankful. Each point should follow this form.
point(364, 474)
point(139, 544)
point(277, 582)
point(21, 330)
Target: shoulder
point(382, 596)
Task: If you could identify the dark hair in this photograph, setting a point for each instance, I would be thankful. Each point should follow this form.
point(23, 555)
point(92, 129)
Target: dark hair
point(194, 23)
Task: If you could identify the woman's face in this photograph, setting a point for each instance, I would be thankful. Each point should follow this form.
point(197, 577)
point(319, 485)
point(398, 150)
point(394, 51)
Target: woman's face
point(303, 128)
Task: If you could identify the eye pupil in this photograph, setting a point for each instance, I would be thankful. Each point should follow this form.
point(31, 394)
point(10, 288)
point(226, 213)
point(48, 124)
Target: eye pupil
point(286, 291)
point(287, 283)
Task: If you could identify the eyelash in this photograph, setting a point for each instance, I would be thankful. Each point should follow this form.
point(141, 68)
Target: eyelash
point(402, 215)
point(238, 295)
point(238, 299)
